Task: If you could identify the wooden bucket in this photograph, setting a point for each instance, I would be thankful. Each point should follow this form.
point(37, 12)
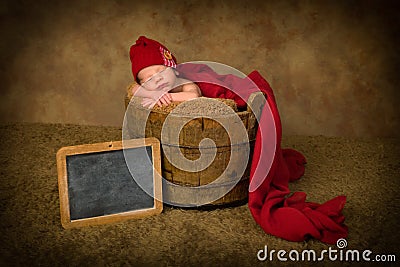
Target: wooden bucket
point(195, 129)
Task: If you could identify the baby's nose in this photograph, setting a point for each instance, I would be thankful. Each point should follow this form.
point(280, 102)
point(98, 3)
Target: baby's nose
point(159, 78)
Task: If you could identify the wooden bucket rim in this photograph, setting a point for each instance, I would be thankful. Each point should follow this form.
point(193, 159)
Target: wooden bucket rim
point(160, 111)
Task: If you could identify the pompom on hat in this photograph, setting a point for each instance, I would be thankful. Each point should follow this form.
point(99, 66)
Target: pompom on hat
point(147, 52)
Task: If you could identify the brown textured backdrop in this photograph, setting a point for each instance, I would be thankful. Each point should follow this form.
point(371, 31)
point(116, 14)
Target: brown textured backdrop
point(333, 65)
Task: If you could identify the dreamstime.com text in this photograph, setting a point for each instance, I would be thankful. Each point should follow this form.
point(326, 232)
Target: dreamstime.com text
point(332, 254)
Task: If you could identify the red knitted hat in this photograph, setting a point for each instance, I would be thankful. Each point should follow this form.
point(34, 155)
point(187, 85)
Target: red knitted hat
point(146, 52)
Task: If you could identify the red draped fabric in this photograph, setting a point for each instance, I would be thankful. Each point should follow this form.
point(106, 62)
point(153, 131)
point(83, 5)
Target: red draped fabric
point(272, 205)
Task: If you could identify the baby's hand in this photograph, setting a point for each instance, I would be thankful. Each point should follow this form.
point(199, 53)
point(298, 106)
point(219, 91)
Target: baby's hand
point(148, 102)
point(140, 91)
point(165, 99)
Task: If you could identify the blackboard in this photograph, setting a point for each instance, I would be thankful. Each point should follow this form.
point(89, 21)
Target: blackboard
point(97, 186)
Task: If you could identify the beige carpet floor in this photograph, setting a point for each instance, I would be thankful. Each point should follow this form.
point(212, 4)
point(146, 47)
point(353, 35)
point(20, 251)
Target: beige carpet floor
point(367, 171)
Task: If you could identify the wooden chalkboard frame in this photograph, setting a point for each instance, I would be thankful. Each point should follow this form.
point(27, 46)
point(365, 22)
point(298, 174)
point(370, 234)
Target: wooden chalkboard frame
point(64, 152)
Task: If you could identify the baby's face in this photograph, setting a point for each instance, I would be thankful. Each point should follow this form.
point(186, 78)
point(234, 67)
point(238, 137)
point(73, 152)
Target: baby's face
point(157, 77)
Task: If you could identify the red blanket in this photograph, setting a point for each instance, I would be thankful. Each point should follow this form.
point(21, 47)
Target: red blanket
point(273, 208)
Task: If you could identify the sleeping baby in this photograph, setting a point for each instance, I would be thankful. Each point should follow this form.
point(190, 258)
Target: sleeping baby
point(153, 68)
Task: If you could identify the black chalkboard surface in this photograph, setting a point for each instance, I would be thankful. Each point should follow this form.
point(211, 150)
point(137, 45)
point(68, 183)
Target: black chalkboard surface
point(97, 186)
